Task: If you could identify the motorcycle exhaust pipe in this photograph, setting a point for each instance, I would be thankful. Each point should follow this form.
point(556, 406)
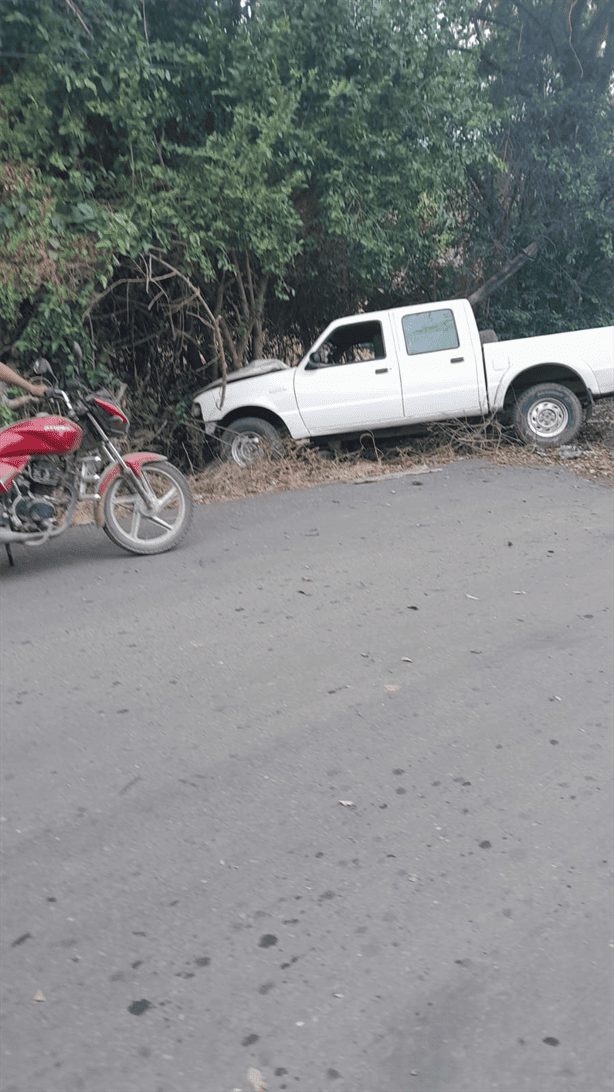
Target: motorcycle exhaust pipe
point(30, 538)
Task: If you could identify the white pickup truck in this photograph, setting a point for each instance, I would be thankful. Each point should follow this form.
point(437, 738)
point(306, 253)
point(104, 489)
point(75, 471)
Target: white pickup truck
point(387, 372)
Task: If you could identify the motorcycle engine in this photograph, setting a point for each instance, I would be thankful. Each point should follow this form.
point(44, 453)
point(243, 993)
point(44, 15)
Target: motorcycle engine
point(44, 474)
point(33, 514)
point(33, 508)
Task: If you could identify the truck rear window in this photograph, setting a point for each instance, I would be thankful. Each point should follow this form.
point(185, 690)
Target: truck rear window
point(430, 331)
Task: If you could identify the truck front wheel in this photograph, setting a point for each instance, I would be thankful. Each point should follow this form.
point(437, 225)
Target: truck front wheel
point(547, 415)
point(247, 439)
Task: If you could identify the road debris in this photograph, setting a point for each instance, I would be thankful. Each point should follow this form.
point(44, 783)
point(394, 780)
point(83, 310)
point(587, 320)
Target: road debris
point(572, 451)
point(256, 1079)
point(398, 474)
point(347, 803)
point(38, 996)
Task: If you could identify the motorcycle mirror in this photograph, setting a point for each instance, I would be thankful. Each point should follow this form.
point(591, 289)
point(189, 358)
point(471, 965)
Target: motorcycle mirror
point(41, 366)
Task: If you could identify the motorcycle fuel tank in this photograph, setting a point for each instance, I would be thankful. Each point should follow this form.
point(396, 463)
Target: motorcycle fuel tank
point(40, 436)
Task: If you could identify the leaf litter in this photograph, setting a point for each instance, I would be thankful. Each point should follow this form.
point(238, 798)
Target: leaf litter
point(302, 467)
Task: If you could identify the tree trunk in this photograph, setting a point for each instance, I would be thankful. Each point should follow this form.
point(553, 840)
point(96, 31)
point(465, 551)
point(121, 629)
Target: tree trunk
point(503, 275)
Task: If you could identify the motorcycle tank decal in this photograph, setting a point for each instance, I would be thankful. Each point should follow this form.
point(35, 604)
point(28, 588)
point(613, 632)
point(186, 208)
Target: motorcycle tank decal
point(40, 436)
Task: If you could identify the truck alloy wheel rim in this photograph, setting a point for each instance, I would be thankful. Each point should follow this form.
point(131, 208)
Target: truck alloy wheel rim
point(245, 448)
point(548, 418)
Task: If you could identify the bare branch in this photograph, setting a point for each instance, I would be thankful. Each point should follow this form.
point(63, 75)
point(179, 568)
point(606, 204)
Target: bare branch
point(503, 275)
point(228, 339)
point(69, 4)
point(240, 285)
point(145, 23)
point(250, 282)
point(101, 295)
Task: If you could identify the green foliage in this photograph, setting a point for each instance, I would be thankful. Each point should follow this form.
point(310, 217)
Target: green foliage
point(204, 182)
point(259, 143)
point(46, 272)
point(548, 65)
point(388, 118)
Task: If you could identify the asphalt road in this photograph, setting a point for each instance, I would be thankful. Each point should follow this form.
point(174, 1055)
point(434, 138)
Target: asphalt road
point(326, 792)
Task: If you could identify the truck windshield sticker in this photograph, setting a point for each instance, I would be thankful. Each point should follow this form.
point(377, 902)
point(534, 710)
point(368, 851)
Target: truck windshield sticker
point(352, 343)
point(430, 332)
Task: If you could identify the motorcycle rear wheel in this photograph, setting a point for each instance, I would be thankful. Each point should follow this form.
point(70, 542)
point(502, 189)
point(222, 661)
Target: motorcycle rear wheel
point(140, 529)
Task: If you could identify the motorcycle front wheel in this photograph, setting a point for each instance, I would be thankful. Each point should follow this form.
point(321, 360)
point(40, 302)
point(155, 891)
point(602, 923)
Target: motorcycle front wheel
point(154, 526)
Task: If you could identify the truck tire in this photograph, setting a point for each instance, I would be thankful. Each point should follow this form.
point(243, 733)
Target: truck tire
point(547, 415)
point(247, 439)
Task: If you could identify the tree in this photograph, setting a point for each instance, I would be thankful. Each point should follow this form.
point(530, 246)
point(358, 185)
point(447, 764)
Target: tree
point(238, 187)
point(386, 117)
point(548, 68)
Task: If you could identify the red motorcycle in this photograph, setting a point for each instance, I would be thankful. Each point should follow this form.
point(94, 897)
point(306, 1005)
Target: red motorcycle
point(49, 463)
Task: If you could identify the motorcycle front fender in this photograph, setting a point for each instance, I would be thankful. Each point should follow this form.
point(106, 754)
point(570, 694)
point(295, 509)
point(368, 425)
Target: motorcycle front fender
point(135, 461)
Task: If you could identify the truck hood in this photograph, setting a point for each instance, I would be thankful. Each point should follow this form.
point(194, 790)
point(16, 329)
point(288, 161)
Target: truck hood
point(257, 367)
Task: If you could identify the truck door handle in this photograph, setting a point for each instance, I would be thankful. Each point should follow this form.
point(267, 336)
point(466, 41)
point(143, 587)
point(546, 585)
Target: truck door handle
point(380, 371)
point(457, 360)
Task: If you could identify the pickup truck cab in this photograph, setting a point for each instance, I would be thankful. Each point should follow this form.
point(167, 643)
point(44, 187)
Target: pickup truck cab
point(389, 371)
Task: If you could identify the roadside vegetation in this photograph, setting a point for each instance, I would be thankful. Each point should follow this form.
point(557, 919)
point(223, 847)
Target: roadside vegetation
point(186, 187)
point(301, 466)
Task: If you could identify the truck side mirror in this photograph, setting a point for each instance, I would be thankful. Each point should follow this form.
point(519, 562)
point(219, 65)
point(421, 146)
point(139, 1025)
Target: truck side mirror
point(314, 361)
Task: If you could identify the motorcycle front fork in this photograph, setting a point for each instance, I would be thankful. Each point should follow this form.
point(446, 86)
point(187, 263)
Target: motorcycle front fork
point(90, 467)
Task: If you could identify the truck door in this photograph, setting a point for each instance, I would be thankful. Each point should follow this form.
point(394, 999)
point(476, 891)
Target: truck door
point(352, 379)
point(441, 372)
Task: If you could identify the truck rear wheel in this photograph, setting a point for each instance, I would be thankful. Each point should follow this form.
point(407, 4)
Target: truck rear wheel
point(248, 439)
point(547, 415)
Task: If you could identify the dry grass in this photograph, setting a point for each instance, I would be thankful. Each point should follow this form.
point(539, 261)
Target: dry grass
point(302, 467)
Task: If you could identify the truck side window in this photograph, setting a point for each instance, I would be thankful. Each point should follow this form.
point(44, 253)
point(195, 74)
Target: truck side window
point(430, 331)
point(350, 344)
